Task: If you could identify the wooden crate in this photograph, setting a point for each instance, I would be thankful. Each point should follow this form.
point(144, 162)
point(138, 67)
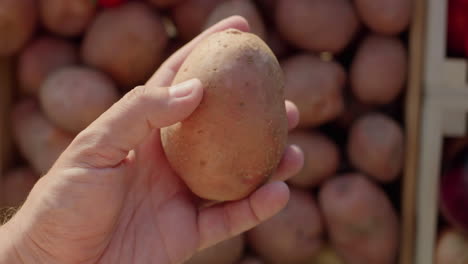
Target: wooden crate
point(441, 72)
point(412, 118)
point(444, 114)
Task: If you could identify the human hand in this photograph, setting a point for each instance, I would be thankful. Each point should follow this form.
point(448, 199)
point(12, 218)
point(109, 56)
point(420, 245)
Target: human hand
point(112, 197)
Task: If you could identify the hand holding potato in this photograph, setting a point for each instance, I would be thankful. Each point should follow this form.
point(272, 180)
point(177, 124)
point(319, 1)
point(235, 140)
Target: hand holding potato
point(112, 196)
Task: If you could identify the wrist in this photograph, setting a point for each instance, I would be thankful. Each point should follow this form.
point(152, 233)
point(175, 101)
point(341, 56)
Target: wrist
point(9, 252)
point(17, 247)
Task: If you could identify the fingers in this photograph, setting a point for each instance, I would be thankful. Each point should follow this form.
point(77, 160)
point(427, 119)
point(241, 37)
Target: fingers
point(227, 220)
point(292, 113)
point(290, 164)
point(165, 74)
point(107, 141)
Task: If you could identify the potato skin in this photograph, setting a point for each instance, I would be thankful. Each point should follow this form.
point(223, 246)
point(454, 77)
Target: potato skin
point(244, 8)
point(361, 221)
point(451, 248)
point(378, 70)
point(43, 56)
point(18, 20)
point(225, 252)
point(235, 138)
point(67, 18)
point(385, 16)
point(315, 86)
point(74, 97)
point(317, 25)
point(126, 42)
point(190, 16)
point(292, 236)
point(376, 146)
point(38, 140)
point(17, 184)
point(321, 158)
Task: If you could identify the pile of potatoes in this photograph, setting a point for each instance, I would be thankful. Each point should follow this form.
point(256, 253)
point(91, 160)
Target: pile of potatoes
point(345, 67)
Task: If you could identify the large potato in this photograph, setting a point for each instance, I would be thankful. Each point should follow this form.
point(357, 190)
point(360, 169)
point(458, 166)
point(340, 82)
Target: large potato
point(316, 87)
point(226, 252)
point(292, 236)
point(378, 71)
point(362, 224)
point(190, 16)
point(18, 19)
point(452, 248)
point(321, 158)
point(43, 56)
point(16, 185)
point(38, 140)
point(376, 146)
point(67, 18)
point(317, 25)
point(244, 8)
point(385, 16)
point(234, 140)
point(73, 97)
point(127, 42)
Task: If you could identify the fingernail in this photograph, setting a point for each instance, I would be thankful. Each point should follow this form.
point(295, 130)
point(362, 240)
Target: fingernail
point(183, 89)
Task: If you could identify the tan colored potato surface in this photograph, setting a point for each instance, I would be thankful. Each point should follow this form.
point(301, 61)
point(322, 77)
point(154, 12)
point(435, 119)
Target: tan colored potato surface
point(316, 87)
point(362, 224)
point(292, 236)
point(233, 141)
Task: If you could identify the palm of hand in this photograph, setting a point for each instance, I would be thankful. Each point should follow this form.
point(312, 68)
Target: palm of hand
point(115, 199)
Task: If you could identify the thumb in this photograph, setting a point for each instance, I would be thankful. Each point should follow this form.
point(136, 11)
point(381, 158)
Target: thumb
point(107, 141)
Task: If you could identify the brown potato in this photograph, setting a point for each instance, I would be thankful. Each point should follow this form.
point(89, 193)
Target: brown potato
point(127, 42)
point(385, 16)
point(292, 236)
point(73, 97)
point(18, 20)
point(321, 158)
point(67, 18)
point(362, 224)
point(452, 248)
point(251, 260)
point(43, 56)
point(317, 25)
point(244, 8)
point(234, 140)
point(38, 140)
point(226, 252)
point(190, 15)
point(376, 147)
point(378, 71)
point(17, 184)
point(316, 87)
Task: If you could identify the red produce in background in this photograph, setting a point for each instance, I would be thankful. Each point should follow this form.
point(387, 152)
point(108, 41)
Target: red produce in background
point(457, 28)
point(111, 3)
point(454, 192)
